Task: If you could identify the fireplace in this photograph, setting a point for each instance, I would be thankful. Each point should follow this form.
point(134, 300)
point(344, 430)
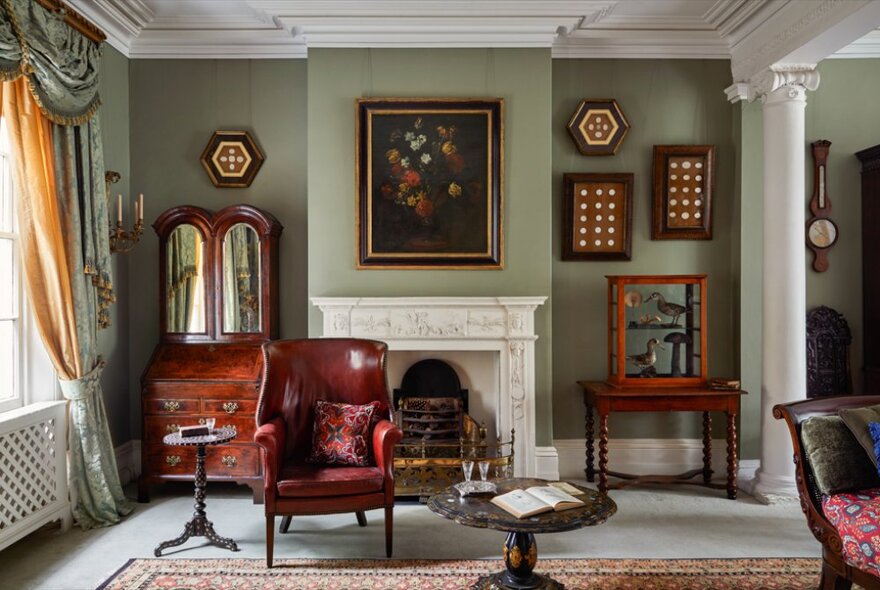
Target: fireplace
point(491, 338)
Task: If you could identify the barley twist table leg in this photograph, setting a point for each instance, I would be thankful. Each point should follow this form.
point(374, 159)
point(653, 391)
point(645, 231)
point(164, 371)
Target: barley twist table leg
point(603, 453)
point(707, 447)
point(732, 463)
point(591, 469)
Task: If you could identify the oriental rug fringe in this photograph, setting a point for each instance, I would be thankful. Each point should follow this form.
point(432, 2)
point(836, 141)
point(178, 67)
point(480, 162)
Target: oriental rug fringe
point(394, 574)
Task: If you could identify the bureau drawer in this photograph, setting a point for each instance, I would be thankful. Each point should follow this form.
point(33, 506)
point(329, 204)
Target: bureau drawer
point(227, 460)
point(230, 407)
point(171, 406)
point(158, 426)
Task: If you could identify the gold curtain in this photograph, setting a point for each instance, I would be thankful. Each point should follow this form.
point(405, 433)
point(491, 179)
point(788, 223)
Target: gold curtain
point(46, 272)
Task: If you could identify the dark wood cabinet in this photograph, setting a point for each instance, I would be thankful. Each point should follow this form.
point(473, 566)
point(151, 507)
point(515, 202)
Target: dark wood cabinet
point(218, 302)
point(870, 159)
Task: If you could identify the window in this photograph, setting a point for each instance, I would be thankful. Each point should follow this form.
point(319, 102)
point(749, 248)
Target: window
point(11, 332)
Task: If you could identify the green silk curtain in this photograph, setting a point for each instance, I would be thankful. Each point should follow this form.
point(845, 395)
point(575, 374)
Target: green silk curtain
point(62, 213)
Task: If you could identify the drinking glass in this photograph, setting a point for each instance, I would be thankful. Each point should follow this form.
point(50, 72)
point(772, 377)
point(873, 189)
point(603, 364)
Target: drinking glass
point(484, 470)
point(209, 422)
point(467, 467)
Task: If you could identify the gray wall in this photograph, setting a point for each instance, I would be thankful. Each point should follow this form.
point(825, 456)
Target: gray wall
point(523, 78)
point(175, 107)
point(113, 342)
point(666, 102)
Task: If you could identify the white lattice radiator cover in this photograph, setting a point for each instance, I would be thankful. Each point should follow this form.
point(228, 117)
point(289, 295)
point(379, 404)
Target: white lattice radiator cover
point(33, 470)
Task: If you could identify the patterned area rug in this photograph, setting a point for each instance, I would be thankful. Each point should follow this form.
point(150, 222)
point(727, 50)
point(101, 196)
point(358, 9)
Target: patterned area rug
point(333, 574)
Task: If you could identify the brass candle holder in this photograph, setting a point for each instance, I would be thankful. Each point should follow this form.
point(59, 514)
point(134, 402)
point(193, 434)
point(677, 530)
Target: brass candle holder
point(122, 240)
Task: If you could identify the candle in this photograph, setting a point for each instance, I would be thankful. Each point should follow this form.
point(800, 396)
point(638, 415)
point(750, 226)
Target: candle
point(134, 207)
point(119, 209)
point(141, 207)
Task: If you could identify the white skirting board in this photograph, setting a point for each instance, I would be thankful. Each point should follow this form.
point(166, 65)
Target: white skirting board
point(660, 456)
point(128, 461)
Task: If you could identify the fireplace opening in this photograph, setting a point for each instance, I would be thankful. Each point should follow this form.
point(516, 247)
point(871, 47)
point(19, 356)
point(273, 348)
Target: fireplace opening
point(431, 408)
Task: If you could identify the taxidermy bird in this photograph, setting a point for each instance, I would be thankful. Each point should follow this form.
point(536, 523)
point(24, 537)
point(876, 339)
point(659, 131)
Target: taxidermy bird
point(643, 361)
point(671, 309)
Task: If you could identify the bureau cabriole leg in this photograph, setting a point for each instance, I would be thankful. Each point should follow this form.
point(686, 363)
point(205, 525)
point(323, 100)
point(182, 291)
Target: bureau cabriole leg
point(707, 447)
point(591, 468)
point(603, 453)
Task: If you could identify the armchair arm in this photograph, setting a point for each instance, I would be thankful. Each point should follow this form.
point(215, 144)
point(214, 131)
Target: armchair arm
point(385, 436)
point(272, 436)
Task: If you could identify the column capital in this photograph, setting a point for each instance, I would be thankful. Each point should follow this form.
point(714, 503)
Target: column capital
point(797, 78)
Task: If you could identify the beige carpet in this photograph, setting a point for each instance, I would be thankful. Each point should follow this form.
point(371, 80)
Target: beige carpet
point(592, 574)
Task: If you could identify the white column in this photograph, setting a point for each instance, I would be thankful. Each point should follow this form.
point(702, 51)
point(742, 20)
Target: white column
point(782, 90)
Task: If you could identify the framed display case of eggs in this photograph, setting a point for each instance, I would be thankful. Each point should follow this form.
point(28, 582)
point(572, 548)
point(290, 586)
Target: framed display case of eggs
point(683, 181)
point(597, 216)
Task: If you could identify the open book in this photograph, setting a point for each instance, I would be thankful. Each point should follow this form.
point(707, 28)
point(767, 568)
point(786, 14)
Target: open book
point(535, 500)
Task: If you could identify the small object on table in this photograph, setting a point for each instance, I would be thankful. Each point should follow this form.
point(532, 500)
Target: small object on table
point(190, 431)
point(520, 550)
point(726, 384)
point(199, 525)
point(476, 488)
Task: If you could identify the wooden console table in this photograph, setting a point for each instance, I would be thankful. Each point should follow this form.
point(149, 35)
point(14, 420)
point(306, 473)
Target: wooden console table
point(605, 399)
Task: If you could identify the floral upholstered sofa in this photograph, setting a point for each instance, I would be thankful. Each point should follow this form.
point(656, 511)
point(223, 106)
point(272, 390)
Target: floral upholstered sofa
point(838, 483)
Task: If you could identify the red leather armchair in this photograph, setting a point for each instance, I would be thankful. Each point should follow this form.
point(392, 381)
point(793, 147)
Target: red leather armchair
point(296, 374)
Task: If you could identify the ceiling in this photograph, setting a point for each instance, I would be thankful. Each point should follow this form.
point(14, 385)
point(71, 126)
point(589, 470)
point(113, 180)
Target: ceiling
point(721, 29)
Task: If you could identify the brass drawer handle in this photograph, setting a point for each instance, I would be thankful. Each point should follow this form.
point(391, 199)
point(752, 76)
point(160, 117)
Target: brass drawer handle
point(171, 406)
point(230, 407)
point(229, 460)
point(231, 427)
point(172, 460)
point(201, 420)
point(171, 428)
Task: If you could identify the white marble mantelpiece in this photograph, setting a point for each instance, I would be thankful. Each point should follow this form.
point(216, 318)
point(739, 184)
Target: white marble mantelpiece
point(502, 324)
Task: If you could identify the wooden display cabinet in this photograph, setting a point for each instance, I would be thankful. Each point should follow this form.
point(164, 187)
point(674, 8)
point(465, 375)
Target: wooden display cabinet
point(657, 332)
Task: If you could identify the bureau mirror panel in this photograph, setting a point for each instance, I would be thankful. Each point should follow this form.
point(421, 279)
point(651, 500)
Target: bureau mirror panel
point(185, 280)
point(241, 279)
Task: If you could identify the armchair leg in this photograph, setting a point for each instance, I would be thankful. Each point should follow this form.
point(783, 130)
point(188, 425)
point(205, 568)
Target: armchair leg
point(285, 523)
point(831, 580)
point(389, 530)
point(362, 518)
point(270, 538)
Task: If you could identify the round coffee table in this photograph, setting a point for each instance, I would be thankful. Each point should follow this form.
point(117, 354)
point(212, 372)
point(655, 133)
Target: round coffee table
point(520, 549)
point(199, 525)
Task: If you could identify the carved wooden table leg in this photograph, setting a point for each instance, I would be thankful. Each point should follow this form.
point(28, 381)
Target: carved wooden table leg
point(591, 469)
point(603, 452)
point(731, 456)
point(199, 525)
point(707, 447)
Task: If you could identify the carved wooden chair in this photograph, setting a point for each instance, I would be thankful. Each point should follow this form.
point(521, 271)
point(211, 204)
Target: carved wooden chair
point(837, 573)
point(828, 342)
point(296, 374)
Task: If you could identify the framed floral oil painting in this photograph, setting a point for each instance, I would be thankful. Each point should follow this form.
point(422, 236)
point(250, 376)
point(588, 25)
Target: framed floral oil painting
point(429, 183)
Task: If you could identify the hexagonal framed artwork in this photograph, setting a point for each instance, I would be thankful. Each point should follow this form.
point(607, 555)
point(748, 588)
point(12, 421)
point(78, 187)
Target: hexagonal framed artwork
point(598, 127)
point(232, 159)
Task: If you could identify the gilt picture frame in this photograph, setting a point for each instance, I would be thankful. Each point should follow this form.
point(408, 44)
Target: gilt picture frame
point(429, 182)
point(597, 213)
point(684, 177)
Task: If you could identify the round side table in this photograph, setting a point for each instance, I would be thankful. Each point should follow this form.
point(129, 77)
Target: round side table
point(199, 525)
point(520, 549)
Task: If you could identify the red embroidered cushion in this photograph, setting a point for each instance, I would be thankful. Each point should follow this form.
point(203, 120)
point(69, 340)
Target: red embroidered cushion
point(341, 433)
point(856, 516)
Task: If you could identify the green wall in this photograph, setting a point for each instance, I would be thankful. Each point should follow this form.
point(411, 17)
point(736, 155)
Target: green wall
point(336, 77)
point(843, 110)
point(666, 102)
point(113, 342)
point(175, 106)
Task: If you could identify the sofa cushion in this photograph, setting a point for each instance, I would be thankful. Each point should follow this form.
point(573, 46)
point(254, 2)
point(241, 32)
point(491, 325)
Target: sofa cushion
point(856, 516)
point(857, 420)
point(341, 433)
point(836, 458)
point(306, 480)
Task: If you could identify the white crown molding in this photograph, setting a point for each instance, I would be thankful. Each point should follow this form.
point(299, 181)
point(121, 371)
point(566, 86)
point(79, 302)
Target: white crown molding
point(231, 44)
point(121, 20)
point(599, 43)
point(866, 47)
point(782, 36)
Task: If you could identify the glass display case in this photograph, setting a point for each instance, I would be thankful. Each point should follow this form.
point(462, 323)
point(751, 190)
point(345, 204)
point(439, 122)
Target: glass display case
point(657, 330)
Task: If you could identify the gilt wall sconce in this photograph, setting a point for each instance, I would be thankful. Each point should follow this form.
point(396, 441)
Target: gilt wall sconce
point(121, 240)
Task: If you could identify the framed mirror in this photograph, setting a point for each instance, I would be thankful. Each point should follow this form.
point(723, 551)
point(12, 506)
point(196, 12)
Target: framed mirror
point(241, 280)
point(185, 280)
